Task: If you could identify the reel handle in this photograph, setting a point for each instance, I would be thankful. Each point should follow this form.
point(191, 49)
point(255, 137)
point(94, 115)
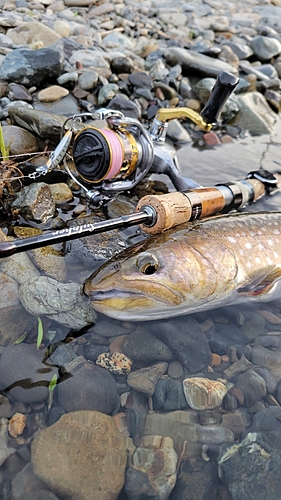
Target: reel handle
point(223, 88)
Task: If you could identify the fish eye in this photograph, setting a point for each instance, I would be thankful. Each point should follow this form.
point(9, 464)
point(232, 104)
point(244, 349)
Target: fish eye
point(147, 263)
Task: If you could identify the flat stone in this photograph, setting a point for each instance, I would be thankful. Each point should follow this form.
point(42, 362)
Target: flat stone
point(192, 60)
point(19, 141)
point(255, 115)
point(145, 379)
point(33, 32)
point(51, 94)
point(82, 456)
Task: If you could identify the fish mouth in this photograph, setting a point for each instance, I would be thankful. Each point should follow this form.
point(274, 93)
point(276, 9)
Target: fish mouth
point(100, 295)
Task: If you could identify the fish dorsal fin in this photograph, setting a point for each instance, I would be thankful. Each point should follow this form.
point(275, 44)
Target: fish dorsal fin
point(262, 284)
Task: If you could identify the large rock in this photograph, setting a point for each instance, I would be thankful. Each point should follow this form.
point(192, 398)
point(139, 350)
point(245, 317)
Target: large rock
point(88, 387)
point(34, 34)
point(199, 63)
point(82, 456)
point(251, 469)
point(255, 115)
point(32, 67)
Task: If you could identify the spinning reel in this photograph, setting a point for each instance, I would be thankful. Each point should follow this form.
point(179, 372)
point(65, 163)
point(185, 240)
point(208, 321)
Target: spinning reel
point(118, 157)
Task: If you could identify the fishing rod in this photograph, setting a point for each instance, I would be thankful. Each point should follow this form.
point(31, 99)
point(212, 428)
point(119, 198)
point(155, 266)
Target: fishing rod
point(157, 213)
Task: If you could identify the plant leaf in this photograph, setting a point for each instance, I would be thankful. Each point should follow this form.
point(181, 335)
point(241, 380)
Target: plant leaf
point(52, 385)
point(21, 338)
point(40, 332)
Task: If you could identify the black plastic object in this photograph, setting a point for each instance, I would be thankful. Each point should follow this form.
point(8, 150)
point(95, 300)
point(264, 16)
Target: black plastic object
point(91, 155)
point(224, 86)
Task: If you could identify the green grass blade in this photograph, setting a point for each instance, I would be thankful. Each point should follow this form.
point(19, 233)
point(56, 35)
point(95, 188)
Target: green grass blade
point(40, 332)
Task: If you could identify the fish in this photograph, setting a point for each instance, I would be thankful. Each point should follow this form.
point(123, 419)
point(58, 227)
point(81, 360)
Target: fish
point(219, 261)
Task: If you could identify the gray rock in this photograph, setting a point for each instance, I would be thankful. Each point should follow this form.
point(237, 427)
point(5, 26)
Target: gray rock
point(25, 481)
point(255, 115)
point(66, 106)
point(89, 58)
point(145, 379)
point(19, 141)
point(252, 385)
point(35, 202)
point(206, 66)
point(169, 395)
point(46, 125)
point(129, 108)
point(242, 51)
point(197, 480)
point(88, 80)
point(141, 345)
point(89, 387)
point(62, 302)
point(258, 456)
point(156, 461)
point(265, 48)
point(23, 375)
point(186, 339)
point(203, 89)
point(107, 92)
point(32, 67)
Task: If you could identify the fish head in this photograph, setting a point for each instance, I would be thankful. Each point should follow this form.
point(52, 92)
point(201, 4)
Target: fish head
point(152, 282)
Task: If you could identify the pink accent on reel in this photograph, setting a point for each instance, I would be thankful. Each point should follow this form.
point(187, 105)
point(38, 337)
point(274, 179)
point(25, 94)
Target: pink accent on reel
point(117, 153)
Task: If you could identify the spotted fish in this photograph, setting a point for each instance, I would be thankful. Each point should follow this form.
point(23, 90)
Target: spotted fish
point(220, 261)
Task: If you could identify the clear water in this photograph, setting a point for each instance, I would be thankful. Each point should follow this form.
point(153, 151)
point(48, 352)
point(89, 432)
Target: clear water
point(208, 167)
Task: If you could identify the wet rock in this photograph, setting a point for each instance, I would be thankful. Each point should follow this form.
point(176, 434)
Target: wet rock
point(11, 328)
point(153, 471)
point(235, 422)
point(141, 345)
point(61, 193)
point(18, 92)
point(252, 385)
point(266, 420)
point(97, 247)
point(62, 302)
point(258, 454)
point(89, 387)
point(238, 367)
point(255, 114)
point(66, 453)
point(47, 259)
point(35, 202)
point(23, 375)
point(186, 339)
point(115, 362)
point(169, 395)
point(203, 393)
point(32, 67)
point(38, 495)
point(175, 369)
point(46, 125)
point(8, 291)
point(197, 480)
point(19, 141)
point(136, 412)
point(145, 379)
point(19, 267)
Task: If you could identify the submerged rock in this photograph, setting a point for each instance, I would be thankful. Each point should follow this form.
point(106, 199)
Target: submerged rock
point(35, 202)
point(258, 456)
point(82, 456)
point(23, 375)
point(203, 393)
point(88, 387)
point(153, 471)
point(62, 302)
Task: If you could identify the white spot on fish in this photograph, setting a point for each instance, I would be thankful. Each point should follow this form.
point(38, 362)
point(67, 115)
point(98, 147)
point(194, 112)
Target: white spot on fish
point(249, 265)
point(241, 252)
point(260, 246)
point(270, 242)
point(258, 261)
point(276, 231)
point(231, 239)
point(248, 245)
point(276, 255)
point(268, 260)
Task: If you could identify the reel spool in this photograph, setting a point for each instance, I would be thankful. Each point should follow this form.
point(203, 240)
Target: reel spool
point(105, 154)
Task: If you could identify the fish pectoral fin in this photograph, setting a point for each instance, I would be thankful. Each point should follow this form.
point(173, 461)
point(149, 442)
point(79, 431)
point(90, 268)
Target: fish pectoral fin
point(262, 285)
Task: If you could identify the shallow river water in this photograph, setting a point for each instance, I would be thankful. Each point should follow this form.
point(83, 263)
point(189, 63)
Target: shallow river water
point(228, 422)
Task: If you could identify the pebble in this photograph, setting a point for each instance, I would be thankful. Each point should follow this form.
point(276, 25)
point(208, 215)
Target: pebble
point(77, 55)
